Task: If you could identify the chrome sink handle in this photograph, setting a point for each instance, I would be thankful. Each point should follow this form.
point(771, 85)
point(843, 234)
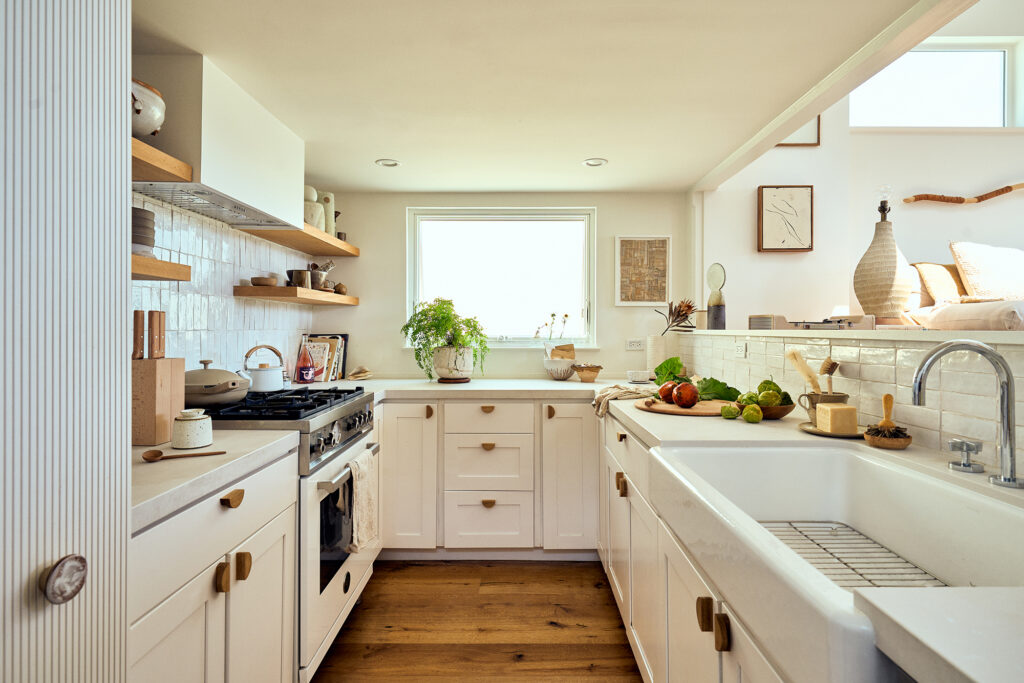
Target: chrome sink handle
point(966, 449)
point(1006, 448)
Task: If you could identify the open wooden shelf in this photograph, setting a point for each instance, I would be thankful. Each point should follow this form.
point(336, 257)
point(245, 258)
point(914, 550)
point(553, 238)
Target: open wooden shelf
point(297, 295)
point(151, 165)
point(149, 268)
point(309, 240)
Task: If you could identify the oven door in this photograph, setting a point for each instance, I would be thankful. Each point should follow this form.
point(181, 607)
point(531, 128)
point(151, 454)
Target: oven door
point(330, 577)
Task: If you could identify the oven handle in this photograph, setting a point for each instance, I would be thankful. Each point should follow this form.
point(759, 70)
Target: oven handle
point(333, 485)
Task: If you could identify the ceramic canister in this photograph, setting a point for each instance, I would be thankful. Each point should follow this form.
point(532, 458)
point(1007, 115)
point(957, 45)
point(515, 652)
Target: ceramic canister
point(192, 429)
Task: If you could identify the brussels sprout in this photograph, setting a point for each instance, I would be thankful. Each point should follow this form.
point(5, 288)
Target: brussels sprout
point(747, 399)
point(752, 414)
point(730, 412)
point(769, 399)
point(768, 385)
point(787, 400)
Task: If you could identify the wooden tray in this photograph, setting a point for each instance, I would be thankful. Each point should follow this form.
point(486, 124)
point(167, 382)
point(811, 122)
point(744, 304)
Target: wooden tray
point(811, 429)
point(701, 409)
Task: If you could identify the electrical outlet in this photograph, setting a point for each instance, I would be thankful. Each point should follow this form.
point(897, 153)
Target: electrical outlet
point(741, 350)
point(634, 344)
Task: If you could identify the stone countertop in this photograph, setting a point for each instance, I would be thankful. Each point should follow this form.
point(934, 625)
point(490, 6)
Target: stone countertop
point(399, 389)
point(160, 489)
point(948, 634)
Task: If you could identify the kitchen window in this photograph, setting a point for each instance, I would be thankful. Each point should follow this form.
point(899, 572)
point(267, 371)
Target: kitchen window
point(511, 268)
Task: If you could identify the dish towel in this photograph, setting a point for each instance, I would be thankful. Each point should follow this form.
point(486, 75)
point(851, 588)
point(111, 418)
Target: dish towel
point(364, 501)
point(615, 392)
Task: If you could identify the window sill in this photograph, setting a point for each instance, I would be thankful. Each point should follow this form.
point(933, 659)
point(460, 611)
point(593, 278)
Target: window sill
point(936, 130)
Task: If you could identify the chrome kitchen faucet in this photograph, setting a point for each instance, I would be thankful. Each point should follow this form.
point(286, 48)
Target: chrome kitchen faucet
point(1007, 437)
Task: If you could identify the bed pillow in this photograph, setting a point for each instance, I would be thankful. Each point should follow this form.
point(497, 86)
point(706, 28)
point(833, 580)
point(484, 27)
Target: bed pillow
point(919, 296)
point(990, 272)
point(941, 282)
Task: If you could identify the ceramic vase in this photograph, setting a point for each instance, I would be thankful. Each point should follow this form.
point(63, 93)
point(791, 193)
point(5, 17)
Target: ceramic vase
point(882, 280)
point(453, 363)
point(657, 351)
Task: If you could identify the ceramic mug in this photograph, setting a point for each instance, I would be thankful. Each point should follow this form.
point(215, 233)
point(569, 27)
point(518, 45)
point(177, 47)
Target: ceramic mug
point(812, 401)
point(638, 375)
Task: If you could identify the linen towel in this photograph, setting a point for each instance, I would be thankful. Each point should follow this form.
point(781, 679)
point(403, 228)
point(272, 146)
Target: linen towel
point(364, 501)
point(617, 391)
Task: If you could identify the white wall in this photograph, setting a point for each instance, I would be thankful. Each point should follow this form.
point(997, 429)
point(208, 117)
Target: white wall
point(376, 223)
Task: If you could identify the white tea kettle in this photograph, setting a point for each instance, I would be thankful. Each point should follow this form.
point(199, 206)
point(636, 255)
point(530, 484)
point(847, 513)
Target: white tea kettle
point(264, 377)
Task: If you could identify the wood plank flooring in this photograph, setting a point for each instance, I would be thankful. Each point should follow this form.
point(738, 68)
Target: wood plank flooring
point(550, 621)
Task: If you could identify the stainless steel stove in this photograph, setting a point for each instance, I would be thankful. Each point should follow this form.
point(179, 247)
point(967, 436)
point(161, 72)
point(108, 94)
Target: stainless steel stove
point(328, 420)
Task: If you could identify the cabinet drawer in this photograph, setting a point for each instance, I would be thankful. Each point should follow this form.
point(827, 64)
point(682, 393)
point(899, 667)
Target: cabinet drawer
point(167, 556)
point(488, 417)
point(628, 451)
point(498, 462)
point(488, 519)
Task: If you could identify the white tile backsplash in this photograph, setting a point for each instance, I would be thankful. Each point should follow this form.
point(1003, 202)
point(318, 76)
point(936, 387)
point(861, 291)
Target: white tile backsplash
point(204, 319)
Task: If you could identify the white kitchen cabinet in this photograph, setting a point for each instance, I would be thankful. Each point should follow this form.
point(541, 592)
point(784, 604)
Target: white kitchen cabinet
point(499, 462)
point(571, 468)
point(408, 452)
point(618, 535)
point(261, 605)
point(646, 600)
point(602, 508)
point(488, 519)
point(742, 661)
point(183, 639)
point(690, 651)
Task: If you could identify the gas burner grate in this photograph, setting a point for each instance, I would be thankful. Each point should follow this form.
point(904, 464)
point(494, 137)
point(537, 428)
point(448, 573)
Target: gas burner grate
point(848, 557)
point(288, 404)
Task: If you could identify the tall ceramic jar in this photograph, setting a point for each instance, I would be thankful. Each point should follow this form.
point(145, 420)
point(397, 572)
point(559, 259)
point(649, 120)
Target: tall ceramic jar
point(883, 278)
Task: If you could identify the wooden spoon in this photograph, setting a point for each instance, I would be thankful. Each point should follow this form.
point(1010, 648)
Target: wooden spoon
point(154, 456)
point(887, 422)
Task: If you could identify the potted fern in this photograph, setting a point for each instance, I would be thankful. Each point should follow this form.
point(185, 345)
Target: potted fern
point(444, 342)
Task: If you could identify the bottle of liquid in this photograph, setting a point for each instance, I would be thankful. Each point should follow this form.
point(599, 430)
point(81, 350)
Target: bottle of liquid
point(305, 372)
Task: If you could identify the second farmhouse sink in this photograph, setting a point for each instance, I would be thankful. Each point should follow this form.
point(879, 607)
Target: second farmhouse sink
point(767, 523)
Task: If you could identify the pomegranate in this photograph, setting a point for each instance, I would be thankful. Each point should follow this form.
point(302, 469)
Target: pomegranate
point(665, 391)
point(685, 395)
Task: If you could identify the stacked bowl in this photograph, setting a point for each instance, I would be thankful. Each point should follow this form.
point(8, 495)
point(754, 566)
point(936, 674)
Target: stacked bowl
point(143, 231)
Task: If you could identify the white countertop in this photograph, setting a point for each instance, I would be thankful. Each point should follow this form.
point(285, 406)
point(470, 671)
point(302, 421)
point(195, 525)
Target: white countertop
point(418, 389)
point(949, 634)
point(159, 489)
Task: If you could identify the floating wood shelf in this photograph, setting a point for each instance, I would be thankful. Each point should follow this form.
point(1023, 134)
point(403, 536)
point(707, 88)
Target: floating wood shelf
point(153, 166)
point(309, 240)
point(297, 295)
point(149, 268)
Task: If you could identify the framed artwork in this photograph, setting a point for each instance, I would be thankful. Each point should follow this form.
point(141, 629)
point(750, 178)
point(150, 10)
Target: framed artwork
point(807, 135)
point(642, 270)
point(785, 218)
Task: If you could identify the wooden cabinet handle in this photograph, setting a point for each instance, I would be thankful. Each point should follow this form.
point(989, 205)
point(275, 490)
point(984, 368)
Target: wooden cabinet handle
point(243, 565)
point(487, 409)
point(222, 578)
point(430, 412)
point(618, 478)
point(623, 488)
point(233, 499)
point(722, 639)
point(621, 436)
point(551, 412)
point(487, 446)
point(488, 503)
point(705, 614)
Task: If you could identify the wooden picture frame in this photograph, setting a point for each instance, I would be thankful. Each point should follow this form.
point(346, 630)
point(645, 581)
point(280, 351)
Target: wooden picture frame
point(807, 135)
point(643, 270)
point(785, 218)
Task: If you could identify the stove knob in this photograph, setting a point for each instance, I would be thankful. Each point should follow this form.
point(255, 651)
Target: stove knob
point(321, 443)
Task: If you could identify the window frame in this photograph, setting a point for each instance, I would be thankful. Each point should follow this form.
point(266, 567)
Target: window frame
point(415, 214)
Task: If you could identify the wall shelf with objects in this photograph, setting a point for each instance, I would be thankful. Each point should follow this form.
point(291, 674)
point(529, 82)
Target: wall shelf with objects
point(149, 268)
point(297, 295)
point(151, 165)
point(309, 240)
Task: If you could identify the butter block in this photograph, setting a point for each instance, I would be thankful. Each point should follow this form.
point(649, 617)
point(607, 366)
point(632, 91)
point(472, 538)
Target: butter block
point(837, 418)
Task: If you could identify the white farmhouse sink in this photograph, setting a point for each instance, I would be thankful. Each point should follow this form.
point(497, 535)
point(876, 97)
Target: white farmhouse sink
point(714, 498)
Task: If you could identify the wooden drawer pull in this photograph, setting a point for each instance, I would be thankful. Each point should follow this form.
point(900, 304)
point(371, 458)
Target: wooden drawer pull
point(621, 436)
point(243, 565)
point(623, 488)
point(705, 614)
point(233, 499)
point(722, 639)
point(618, 479)
point(222, 577)
point(551, 412)
point(487, 446)
point(430, 412)
point(488, 503)
point(487, 409)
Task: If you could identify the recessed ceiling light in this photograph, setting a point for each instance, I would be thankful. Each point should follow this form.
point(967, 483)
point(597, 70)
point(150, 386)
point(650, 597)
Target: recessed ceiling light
point(387, 163)
point(595, 161)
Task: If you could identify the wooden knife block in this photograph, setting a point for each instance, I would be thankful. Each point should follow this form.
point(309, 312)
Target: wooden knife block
point(158, 396)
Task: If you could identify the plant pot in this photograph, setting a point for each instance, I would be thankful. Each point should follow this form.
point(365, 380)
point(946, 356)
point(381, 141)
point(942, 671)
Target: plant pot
point(453, 363)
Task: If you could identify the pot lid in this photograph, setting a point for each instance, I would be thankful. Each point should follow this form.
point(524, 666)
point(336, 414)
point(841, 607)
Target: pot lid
point(207, 376)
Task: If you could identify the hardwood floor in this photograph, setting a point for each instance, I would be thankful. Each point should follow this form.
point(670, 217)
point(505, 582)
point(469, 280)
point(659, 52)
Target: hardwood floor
point(550, 621)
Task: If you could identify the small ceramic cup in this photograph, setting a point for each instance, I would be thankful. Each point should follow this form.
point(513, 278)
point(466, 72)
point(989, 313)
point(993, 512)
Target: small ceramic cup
point(638, 375)
point(192, 429)
point(809, 402)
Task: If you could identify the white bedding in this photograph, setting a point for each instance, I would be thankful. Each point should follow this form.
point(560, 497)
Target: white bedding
point(988, 315)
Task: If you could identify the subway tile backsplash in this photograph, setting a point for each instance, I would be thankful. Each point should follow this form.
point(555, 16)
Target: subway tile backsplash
point(962, 392)
point(204, 319)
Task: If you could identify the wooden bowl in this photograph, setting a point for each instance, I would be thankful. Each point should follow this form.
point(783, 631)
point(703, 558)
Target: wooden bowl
point(264, 281)
point(777, 412)
point(587, 373)
point(888, 444)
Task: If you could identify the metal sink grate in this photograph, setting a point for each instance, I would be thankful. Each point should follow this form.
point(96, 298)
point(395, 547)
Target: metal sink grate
point(848, 557)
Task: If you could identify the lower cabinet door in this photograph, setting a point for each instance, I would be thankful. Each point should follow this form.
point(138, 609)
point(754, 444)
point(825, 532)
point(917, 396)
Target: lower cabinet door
point(743, 662)
point(261, 605)
point(408, 471)
point(690, 651)
point(618, 536)
point(647, 604)
point(183, 638)
point(488, 519)
point(572, 466)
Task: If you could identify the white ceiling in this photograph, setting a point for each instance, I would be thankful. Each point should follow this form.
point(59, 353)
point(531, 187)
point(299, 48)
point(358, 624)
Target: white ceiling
point(492, 95)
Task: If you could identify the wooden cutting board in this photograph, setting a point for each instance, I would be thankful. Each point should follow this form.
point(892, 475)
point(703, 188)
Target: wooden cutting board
point(701, 409)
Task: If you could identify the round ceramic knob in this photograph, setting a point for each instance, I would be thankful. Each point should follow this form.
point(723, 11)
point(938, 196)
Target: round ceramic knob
point(61, 582)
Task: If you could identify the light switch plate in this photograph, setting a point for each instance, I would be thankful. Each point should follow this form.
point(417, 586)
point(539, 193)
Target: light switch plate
point(741, 350)
point(634, 344)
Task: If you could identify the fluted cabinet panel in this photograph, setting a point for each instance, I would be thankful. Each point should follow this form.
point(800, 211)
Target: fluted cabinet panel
point(64, 292)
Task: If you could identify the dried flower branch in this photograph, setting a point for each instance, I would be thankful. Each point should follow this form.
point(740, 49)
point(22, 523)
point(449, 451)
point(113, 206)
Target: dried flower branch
point(678, 317)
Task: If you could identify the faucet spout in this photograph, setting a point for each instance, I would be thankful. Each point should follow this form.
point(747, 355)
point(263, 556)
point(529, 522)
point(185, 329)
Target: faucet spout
point(1004, 375)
